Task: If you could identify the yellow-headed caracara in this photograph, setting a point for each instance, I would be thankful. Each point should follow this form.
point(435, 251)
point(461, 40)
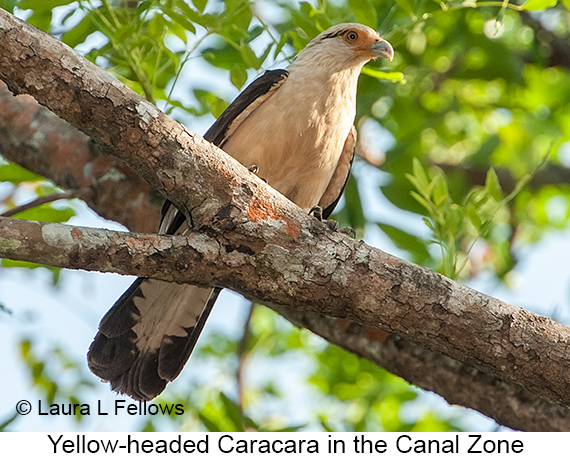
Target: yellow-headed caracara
point(297, 127)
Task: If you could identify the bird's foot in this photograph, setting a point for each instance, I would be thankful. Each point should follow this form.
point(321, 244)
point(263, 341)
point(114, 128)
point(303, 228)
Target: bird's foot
point(255, 169)
point(348, 231)
point(317, 211)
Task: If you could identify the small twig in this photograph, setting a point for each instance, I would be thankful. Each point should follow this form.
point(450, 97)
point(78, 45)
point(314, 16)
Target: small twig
point(43, 200)
point(242, 355)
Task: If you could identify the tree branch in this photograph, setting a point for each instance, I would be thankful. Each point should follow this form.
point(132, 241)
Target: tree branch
point(182, 259)
point(42, 201)
point(458, 383)
point(40, 141)
point(273, 250)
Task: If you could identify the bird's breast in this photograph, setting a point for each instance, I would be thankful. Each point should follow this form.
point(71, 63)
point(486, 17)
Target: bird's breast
point(296, 140)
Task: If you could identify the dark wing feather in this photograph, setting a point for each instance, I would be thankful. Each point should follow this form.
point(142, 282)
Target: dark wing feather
point(336, 186)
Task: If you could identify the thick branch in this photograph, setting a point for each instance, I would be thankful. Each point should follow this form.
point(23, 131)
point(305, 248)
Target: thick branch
point(182, 258)
point(38, 140)
point(295, 260)
point(290, 272)
point(460, 384)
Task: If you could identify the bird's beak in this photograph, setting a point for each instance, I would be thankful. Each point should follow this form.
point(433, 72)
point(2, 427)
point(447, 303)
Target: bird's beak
point(383, 49)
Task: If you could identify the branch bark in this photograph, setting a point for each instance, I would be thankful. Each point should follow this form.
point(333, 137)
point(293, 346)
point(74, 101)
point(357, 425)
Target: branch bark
point(273, 250)
point(159, 255)
point(40, 141)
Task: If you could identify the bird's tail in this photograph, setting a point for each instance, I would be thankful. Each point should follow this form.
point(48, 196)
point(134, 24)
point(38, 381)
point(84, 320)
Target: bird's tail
point(145, 339)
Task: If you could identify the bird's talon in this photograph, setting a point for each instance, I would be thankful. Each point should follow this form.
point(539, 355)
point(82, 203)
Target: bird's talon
point(255, 169)
point(317, 211)
point(333, 225)
point(348, 231)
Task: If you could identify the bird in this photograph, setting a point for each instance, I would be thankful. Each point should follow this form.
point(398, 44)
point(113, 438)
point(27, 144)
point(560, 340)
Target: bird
point(295, 128)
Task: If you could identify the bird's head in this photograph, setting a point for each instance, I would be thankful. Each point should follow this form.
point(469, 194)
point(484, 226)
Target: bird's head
point(350, 42)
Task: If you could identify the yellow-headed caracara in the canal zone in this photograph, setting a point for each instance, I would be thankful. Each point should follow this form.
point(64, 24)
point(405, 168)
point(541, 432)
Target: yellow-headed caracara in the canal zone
point(297, 127)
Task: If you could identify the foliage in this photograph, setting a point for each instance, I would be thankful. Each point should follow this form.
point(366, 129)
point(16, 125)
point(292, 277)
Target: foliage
point(46, 380)
point(20, 183)
point(477, 95)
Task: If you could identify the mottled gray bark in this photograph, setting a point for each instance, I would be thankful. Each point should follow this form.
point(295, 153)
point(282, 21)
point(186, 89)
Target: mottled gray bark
point(40, 141)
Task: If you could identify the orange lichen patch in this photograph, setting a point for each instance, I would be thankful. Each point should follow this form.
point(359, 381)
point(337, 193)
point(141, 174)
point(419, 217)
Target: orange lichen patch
point(230, 177)
point(77, 234)
point(141, 242)
point(260, 210)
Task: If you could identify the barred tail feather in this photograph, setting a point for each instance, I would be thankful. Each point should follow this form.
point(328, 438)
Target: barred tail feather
point(147, 336)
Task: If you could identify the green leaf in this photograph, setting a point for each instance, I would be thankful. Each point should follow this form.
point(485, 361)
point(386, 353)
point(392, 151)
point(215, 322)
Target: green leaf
point(156, 25)
point(9, 6)
point(536, 5)
point(210, 102)
point(181, 19)
point(439, 191)
point(364, 11)
point(200, 4)
point(422, 201)
point(80, 32)
point(205, 20)
point(25, 346)
point(46, 214)
point(16, 174)
point(291, 428)
point(56, 272)
point(249, 57)
point(209, 424)
point(407, 5)
point(8, 421)
point(224, 57)
point(41, 20)
point(405, 241)
point(493, 186)
point(419, 173)
point(282, 42)
point(254, 33)
point(394, 76)
point(356, 218)
point(474, 218)
point(42, 5)
point(233, 412)
point(149, 427)
point(238, 76)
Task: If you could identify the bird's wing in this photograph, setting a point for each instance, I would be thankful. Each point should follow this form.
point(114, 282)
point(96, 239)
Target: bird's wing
point(146, 338)
point(238, 111)
point(336, 186)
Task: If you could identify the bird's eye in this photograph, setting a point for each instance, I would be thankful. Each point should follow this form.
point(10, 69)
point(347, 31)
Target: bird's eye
point(352, 36)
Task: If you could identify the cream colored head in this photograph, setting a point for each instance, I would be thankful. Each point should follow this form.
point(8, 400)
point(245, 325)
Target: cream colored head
point(349, 44)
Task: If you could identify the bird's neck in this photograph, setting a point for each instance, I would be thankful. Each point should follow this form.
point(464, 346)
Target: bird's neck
point(329, 78)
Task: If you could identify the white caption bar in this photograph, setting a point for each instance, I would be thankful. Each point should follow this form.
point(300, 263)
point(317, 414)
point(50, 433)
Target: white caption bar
point(303, 444)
